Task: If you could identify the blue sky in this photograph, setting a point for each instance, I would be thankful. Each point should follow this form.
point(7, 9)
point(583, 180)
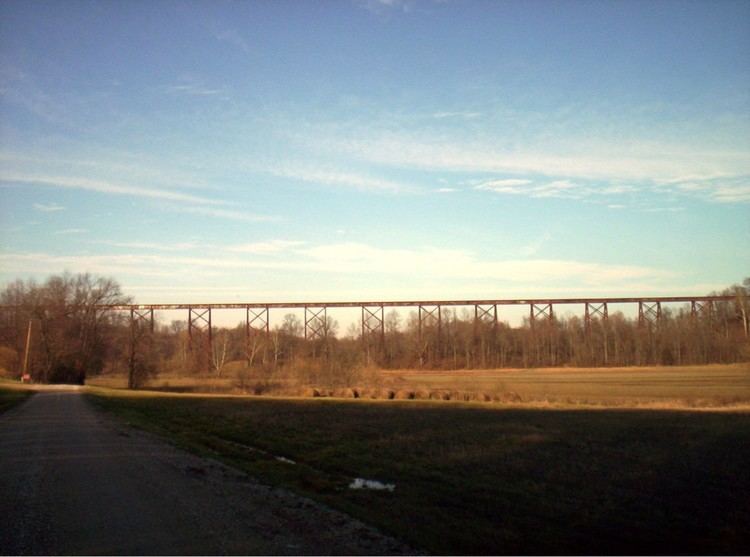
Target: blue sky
point(279, 151)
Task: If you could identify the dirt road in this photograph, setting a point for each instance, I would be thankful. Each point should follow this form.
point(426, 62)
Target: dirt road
point(73, 481)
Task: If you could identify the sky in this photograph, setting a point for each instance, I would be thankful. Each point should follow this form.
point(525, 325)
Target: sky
point(376, 150)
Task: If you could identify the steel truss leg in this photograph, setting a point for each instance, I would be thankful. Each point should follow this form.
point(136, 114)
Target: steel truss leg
point(199, 325)
point(540, 311)
point(316, 323)
point(427, 317)
point(649, 313)
point(373, 321)
point(141, 326)
point(256, 330)
point(486, 314)
point(256, 321)
point(593, 311)
point(700, 309)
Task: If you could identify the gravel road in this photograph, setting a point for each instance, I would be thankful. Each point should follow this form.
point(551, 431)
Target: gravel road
point(75, 481)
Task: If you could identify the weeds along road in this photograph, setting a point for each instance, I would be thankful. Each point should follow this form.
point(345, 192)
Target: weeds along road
point(73, 481)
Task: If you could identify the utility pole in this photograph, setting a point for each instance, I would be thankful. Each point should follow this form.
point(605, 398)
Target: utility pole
point(25, 371)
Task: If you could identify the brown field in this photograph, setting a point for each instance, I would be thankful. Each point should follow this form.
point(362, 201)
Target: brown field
point(707, 386)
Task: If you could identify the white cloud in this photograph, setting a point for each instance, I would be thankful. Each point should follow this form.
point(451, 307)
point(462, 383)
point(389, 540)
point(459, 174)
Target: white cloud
point(66, 231)
point(130, 265)
point(179, 246)
point(353, 263)
point(664, 209)
point(642, 165)
point(508, 185)
point(332, 177)
point(534, 247)
point(262, 248)
point(465, 114)
point(193, 89)
point(101, 186)
point(381, 7)
point(558, 188)
point(514, 186)
point(232, 37)
point(48, 207)
point(731, 193)
point(446, 190)
point(228, 214)
point(350, 257)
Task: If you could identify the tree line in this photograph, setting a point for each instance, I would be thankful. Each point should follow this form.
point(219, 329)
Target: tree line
point(53, 332)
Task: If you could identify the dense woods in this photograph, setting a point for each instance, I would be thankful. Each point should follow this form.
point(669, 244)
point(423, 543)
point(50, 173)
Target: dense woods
point(54, 333)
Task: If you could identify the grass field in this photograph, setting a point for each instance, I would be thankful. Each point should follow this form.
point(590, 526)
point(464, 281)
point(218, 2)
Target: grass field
point(12, 393)
point(475, 478)
point(710, 385)
point(663, 386)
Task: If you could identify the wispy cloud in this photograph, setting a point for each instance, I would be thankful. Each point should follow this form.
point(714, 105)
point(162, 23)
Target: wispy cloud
point(153, 246)
point(111, 188)
point(608, 168)
point(265, 248)
point(381, 7)
point(192, 89)
point(233, 38)
point(337, 178)
point(664, 209)
point(130, 264)
point(67, 231)
point(20, 89)
point(459, 114)
point(229, 214)
point(351, 257)
point(48, 207)
point(512, 186)
point(508, 185)
point(352, 263)
point(534, 247)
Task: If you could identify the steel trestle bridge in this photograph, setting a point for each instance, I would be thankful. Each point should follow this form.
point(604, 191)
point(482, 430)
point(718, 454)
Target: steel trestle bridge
point(429, 314)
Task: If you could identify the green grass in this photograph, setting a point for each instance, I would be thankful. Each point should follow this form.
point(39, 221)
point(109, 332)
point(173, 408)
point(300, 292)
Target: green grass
point(10, 395)
point(479, 479)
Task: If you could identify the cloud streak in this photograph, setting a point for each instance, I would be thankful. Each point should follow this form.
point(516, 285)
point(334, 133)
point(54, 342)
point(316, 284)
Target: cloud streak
point(575, 169)
point(340, 179)
point(227, 214)
point(48, 207)
point(350, 262)
point(100, 186)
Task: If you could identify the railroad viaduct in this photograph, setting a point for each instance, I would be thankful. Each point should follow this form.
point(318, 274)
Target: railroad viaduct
point(429, 313)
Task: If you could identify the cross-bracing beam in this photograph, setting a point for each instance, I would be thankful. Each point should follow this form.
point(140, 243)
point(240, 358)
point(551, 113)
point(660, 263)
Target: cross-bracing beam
point(316, 325)
point(594, 311)
point(701, 309)
point(373, 323)
point(485, 314)
point(256, 331)
point(539, 311)
point(141, 332)
point(649, 313)
point(200, 332)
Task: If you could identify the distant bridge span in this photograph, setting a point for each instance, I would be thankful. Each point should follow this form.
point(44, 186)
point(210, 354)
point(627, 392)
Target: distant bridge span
point(429, 313)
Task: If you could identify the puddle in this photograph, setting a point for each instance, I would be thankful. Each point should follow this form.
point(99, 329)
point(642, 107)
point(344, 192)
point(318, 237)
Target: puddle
point(361, 483)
